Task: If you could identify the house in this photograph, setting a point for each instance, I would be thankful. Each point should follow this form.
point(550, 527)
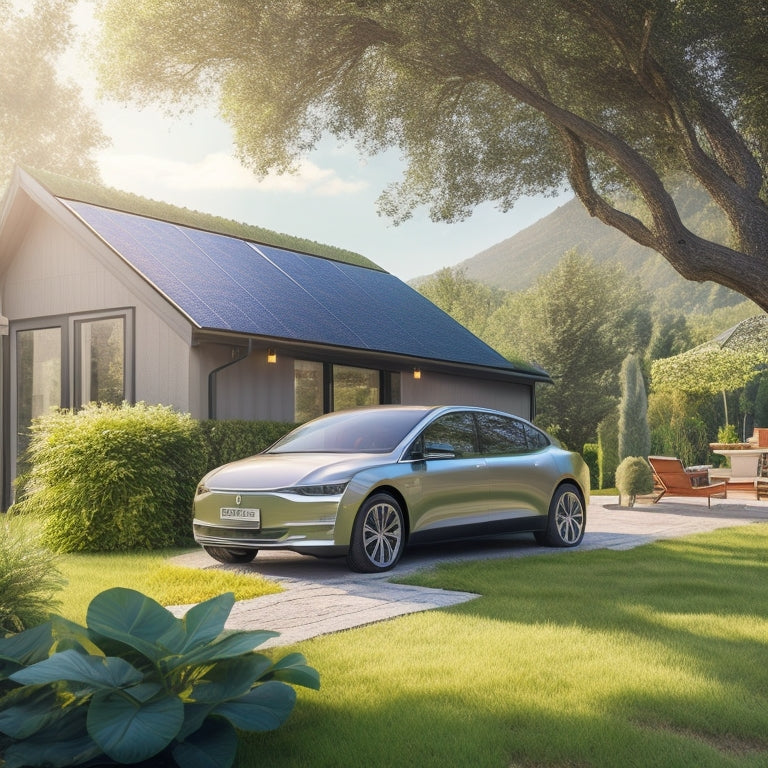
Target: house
point(108, 297)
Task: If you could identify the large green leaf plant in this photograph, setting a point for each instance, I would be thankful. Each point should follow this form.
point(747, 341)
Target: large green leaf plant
point(138, 684)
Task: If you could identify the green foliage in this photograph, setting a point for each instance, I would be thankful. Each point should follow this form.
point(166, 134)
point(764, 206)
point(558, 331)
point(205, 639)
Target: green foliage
point(110, 478)
point(634, 477)
point(138, 684)
point(113, 478)
point(677, 428)
point(578, 323)
point(522, 98)
point(634, 433)
point(29, 576)
point(44, 121)
point(469, 302)
point(227, 441)
point(591, 455)
point(728, 434)
point(761, 402)
point(608, 446)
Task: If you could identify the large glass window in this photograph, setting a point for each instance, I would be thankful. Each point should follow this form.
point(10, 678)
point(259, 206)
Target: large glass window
point(38, 377)
point(353, 387)
point(100, 352)
point(323, 387)
point(308, 390)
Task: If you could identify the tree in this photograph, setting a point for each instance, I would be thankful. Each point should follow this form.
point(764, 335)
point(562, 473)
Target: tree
point(578, 323)
point(634, 433)
point(489, 100)
point(43, 121)
point(469, 302)
point(723, 364)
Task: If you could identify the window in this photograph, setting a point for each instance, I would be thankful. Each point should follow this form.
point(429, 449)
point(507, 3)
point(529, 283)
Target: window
point(353, 387)
point(100, 352)
point(307, 390)
point(451, 436)
point(38, 377)
point(503, 436)
point(323, 387)
point(67, 362)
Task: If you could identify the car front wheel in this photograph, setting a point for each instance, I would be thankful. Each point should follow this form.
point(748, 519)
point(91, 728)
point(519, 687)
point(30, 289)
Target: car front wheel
point(231, 555)
point(378, 535)
point(567, 518)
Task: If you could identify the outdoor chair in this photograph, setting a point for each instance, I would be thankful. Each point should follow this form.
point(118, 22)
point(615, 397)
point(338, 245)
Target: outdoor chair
point(671, 479)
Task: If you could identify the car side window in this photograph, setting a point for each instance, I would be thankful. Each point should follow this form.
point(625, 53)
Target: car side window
point(502, 436)
point(451, 436)
point(536, 438)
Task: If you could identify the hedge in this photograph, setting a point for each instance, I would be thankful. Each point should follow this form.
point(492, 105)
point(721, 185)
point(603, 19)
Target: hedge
point(109, 478)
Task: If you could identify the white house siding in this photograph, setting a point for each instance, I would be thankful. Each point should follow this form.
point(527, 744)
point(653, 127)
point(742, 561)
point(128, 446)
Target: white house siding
point(55, 273)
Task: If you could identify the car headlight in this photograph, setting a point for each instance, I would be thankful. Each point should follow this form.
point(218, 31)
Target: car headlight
point(330, 489)
point(201, 489)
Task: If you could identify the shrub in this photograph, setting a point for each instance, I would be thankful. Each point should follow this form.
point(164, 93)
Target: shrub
point(608, 442)
point(29, 578)
point(727, 434)
point(137, 684)
point(227, 441)
point(113, 478)
point(590, 453)
point(634, 433)
point(634, 477)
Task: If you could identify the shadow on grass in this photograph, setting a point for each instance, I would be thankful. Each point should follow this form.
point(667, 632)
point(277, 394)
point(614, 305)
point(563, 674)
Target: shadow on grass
point(650, 657)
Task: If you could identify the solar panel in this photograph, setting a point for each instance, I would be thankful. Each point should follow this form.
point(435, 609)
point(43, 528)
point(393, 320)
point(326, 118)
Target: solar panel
point(226, 283)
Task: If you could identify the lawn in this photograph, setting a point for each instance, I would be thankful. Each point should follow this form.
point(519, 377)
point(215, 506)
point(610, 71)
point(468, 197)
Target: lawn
point(656, 656)
point(152, 573)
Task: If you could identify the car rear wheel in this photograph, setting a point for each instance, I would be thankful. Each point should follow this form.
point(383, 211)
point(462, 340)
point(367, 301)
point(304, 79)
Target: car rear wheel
point(567, 518)
point(378, 535)
point(231, 555)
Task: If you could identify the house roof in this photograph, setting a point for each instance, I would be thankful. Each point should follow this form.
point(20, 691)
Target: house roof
point(227, 283)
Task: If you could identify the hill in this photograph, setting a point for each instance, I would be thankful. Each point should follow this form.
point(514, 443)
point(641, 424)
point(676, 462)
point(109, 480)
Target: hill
point(514, 264)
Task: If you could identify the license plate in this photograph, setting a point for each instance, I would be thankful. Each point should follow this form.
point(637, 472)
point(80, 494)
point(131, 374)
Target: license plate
point(241, 513)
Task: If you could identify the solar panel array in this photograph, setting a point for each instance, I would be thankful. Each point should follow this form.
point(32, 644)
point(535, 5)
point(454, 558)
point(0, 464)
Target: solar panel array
point(225, 283)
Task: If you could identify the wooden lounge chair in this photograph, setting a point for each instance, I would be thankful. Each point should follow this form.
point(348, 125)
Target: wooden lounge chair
point(671, 479)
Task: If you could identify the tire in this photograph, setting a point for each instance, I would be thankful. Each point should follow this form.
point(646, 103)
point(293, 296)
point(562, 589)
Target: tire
point(231, 555)
point(378, 535)
point(566, 520)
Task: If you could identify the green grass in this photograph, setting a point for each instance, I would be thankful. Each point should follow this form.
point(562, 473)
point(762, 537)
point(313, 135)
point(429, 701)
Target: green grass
point(152, 574)
point(652, 657)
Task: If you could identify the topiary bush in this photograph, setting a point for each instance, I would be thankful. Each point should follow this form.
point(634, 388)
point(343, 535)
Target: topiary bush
point(29, 578)
point(113, 478)
point(138, 685)
point(634, 477)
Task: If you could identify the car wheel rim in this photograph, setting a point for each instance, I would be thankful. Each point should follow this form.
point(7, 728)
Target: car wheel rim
point(569, 517)
point(382, 535)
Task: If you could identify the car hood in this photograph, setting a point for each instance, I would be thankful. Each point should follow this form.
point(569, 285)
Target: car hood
point(274, 471)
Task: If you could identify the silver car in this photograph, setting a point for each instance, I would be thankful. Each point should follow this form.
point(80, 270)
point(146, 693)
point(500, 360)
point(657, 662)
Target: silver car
point(365, 482)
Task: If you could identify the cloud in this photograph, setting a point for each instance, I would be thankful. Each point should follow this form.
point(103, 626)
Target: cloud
point(148, 175)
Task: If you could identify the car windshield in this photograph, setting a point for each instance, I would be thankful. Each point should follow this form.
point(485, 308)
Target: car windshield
point(377, 431)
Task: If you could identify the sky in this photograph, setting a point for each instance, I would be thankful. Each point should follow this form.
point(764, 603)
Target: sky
point(189, 161)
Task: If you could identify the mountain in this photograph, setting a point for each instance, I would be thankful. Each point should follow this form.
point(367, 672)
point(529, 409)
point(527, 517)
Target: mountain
point(514, 264)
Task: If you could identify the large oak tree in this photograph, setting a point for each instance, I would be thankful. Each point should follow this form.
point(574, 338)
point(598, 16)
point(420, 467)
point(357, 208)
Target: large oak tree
point(489, 100)
point(43, 120)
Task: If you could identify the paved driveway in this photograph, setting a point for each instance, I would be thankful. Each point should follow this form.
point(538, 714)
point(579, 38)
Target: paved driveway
point(322, 596)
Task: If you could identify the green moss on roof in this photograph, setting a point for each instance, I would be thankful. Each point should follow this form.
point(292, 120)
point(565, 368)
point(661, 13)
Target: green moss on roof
point(115, 199)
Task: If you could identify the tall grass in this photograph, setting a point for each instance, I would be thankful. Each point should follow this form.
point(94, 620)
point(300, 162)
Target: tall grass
point(654, 657)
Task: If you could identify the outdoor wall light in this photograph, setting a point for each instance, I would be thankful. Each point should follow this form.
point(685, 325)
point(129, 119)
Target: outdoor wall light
point(417, 373)
point(271, 356)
